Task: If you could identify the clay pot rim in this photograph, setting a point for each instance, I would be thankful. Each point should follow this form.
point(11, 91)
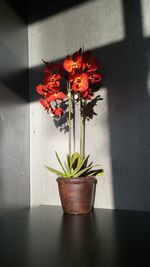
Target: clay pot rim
point(82, 179)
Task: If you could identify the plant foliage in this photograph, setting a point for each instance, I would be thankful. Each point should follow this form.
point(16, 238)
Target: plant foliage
point(75, 167)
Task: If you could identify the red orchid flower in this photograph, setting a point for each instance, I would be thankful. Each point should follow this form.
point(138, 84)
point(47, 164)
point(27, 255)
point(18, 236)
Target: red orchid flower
point(53, 96)
point(54, 67)
point(42, 89)
point(51, 79)
point(87, 94)
point(57, 112)
point(73, 63)
point(54, 86)
point(79, 82)
point(90, 63)
point(45, 104)
point(94, 77)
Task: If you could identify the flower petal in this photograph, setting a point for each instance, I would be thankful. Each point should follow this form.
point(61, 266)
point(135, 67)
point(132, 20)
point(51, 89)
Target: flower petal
point(80, 82)
point(61, 95)
point(68, 63)
point(54, 86)
point(44, 103)
point(41, 89)
point(87, 94)
point(51, 98)
point(58, 112)
point(95, 77)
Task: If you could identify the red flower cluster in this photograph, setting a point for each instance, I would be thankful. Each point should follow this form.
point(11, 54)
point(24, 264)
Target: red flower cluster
point(81, 73)
point(51, 90)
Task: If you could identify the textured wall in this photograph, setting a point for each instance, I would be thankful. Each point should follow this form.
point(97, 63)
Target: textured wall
point(118, 137)
point(14, 112)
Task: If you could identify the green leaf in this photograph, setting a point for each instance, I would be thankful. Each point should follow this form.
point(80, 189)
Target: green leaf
point(86, 161)
point(90, 164)
point(79, 167)
point(75, 160)
point(98, 172)
point(58, 158)
point(82, 171)
point(67, 164)
point(68, 161)
point(55, 171)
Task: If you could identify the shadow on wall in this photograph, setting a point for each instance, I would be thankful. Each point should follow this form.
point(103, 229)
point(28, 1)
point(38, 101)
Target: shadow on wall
point(47, 8)
point(13, 75)
point(14, 112)
point(129, 112)
point(13, 52)
point(125, 74)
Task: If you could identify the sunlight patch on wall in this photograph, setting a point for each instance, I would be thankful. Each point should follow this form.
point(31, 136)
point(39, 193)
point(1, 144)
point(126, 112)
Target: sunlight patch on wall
point(45, 139)
point(145, 10)
point(93, 24)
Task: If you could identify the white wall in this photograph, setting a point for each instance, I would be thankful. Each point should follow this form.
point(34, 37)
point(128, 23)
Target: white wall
point(115, 137)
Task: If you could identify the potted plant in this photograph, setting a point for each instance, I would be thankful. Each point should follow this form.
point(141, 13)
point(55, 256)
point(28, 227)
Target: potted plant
point(66, 84)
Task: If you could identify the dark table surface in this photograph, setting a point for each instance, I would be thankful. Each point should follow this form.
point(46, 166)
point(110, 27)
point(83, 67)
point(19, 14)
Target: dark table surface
point(45, 237)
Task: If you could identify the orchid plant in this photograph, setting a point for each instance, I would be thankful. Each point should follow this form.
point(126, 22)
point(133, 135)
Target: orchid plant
point(71, 81)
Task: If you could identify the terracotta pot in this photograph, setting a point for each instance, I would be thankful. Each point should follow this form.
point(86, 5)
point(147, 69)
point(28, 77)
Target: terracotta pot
point(77, 194)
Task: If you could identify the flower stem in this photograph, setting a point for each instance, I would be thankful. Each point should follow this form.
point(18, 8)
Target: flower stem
point(74, 124)
point(82, 130)
point(69, 117)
